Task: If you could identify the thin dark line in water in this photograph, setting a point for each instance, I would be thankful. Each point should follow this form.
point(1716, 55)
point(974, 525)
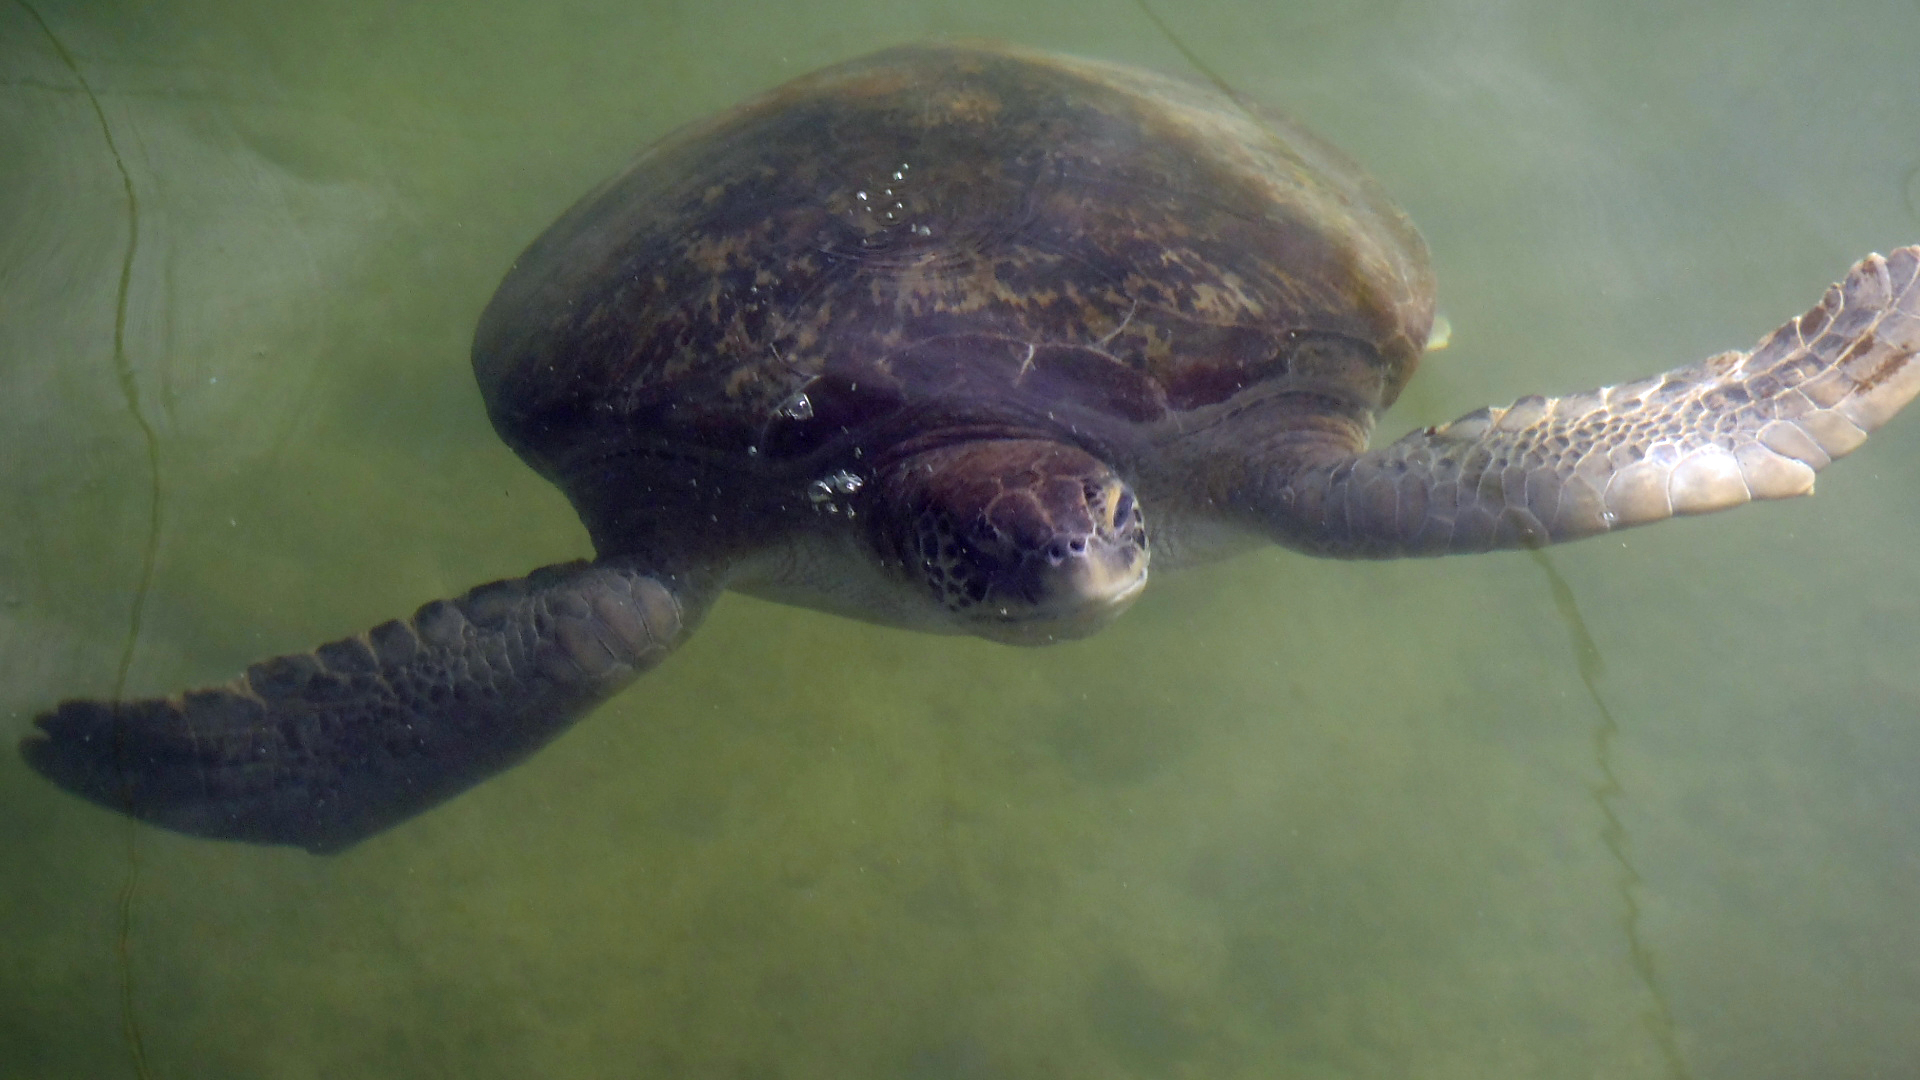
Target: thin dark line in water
point(1613, 834)
point(1180, 46)
point(149, 555)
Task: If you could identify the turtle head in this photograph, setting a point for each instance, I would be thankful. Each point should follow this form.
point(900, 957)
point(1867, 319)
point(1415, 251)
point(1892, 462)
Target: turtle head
point(1024, 541)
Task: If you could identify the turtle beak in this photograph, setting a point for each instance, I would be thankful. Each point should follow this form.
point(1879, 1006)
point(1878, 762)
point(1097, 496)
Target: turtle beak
point(1087, 596)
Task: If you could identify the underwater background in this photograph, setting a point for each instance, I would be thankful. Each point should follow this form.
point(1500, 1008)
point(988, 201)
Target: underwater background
point(1646, 809)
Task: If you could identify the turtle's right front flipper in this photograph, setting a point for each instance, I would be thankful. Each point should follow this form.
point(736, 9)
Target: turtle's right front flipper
point(1696, 439)
point(326, 748)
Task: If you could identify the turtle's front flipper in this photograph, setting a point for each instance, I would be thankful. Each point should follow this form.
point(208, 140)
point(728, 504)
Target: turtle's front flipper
point(326, 748)
point(1740, 426)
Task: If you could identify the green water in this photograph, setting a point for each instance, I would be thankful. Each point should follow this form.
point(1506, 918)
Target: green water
point(1288, 818)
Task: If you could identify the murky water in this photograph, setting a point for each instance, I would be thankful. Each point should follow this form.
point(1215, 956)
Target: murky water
point(1288, 818)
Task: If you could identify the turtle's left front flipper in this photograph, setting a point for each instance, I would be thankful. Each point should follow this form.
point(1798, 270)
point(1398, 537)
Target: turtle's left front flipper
point(1740, 426)
point(324, 749)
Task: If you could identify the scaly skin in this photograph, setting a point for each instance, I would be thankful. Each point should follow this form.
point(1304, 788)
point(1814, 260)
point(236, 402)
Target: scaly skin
point(1737, 427)
point(326, 748)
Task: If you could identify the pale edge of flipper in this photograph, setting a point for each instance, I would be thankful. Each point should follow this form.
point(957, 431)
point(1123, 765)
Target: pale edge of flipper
point(1714, 435)
point(324, 749)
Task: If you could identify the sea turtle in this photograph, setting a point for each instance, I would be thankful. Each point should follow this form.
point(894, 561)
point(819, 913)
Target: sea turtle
point(958, 338)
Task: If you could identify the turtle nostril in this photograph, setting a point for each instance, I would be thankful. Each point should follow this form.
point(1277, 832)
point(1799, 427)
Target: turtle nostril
point(1060, 550)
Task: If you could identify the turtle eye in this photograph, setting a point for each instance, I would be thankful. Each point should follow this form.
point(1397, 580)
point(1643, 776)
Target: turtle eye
point(1122, 509)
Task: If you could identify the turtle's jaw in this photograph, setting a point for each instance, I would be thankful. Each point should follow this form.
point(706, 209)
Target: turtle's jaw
point(1077, 598)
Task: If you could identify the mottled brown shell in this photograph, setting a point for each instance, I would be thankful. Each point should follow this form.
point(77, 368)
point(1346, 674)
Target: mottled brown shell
point(945, 235)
